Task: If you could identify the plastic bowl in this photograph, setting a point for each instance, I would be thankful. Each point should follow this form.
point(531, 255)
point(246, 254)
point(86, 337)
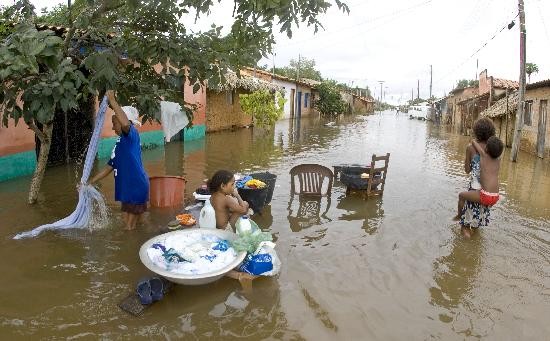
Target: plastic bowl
point(205, 278)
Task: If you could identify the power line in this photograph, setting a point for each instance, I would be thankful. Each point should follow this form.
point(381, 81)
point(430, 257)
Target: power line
point(481, 48)
point(369, 21)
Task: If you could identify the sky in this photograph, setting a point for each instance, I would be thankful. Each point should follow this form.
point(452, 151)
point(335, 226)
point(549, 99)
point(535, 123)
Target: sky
point(396, 41)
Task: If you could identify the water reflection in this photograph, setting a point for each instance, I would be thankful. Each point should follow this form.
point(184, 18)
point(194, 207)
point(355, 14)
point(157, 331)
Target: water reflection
point(264, 219)
point(233, 313)
point(455, 276)
point(369, 210)
point(307, 212)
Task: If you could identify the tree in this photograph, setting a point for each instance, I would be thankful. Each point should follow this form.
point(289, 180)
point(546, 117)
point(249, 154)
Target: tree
point(304, 68)
point(264, 106)
point(531, 68)
point(115, 44)
point(330, 101)
point(464, 83)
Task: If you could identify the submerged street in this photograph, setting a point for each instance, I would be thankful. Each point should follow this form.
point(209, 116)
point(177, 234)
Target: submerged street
point(395, 267)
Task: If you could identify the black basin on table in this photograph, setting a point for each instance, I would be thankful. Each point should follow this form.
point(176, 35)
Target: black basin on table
point(351, 177)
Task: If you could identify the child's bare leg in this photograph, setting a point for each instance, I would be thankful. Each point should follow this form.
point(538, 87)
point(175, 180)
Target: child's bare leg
point(472, 196)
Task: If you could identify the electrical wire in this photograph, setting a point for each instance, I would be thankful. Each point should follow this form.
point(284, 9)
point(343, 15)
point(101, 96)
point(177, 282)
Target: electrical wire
point(484, 44)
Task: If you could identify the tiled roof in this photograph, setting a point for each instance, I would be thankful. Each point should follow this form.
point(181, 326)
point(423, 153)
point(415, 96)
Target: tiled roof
point(246, 82)
point(499, 107)
point(460, 89)
point(485, 94)
point(538, 84)
point(302, 81)
point(505, 83)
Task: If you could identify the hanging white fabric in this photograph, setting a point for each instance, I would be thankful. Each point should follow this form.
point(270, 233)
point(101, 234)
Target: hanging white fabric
point(88, 196)
point(173, 119)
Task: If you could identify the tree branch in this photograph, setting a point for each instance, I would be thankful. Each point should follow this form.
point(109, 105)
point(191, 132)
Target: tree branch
point(37, 131)
point(102, 9)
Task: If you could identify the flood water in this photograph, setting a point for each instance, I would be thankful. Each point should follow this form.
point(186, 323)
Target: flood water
point(388, 268)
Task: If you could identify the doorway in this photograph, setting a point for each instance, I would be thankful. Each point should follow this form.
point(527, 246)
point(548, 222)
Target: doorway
point(543, 117)
point(292, 94)
point(71, 134)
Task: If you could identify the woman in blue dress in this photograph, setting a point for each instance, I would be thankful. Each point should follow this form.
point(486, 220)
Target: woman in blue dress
point(131, 180)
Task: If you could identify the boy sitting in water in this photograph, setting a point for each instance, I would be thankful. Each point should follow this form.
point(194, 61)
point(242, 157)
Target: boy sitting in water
point(225, 199)
point(489, 168)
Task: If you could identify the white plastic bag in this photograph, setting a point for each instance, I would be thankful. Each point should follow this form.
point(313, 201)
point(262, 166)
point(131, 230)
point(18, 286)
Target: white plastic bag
point(269, 248)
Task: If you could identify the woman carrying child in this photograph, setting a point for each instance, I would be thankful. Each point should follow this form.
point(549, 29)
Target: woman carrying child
point(471, 211)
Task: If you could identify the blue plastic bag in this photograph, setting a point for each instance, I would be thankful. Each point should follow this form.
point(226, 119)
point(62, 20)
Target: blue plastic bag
point(257, 264)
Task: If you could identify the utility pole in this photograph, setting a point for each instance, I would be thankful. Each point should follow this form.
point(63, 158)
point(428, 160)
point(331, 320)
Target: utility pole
point(418, 89)
point(430, 81)
point(381, 82)
point(521, 104)
point(412, 95)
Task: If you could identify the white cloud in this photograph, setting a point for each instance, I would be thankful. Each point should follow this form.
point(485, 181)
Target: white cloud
point(397, 41)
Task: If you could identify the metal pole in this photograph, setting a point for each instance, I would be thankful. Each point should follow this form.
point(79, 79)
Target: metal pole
point(520, 112)
point(507, 144)
point(431, 81)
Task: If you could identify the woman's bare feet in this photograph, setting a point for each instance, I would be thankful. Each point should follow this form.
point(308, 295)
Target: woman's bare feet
point(467, 232)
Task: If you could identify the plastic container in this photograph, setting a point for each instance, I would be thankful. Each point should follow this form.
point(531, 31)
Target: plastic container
point(207, 217)
point(269, 180)
point(166, 191)
point(243, 225)
point(190, 279)
point(255, 197)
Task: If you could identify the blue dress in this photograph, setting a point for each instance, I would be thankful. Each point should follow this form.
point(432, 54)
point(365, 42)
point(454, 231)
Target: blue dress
point(474, 214)
point(131, 180)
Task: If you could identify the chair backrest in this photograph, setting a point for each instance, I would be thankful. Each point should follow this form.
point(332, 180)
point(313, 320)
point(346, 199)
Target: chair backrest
point(311, 178)
point(383, 171)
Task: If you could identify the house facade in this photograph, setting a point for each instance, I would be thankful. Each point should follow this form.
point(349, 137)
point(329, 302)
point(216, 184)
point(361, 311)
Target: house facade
point(535, 133)
point(223, 108)
point(465, 105)
point(535, 136)
point(299, 95)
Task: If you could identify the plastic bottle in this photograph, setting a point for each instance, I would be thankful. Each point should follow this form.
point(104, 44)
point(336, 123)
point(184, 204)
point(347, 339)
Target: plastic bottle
point(243, 225)
point(207, 217)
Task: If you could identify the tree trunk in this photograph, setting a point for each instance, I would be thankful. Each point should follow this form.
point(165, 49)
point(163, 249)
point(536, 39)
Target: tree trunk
point(46, 142)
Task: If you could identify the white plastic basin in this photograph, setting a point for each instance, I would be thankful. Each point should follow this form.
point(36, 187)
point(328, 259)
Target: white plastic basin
point(185, 279)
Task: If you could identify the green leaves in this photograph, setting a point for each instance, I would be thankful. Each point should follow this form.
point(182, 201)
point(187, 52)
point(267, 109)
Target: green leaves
point(265, 107)
point(118, 44)
point(330, 101)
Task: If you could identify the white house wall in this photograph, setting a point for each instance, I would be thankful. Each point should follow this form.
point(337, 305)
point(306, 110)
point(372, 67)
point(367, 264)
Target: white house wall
point(288, 89)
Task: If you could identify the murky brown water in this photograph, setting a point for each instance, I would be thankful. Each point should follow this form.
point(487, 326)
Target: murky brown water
point(388, 269)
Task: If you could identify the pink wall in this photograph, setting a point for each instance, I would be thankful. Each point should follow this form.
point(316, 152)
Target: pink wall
point(15, 139)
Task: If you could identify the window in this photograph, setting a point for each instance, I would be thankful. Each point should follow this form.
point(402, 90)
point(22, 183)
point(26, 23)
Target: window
point(528, 113)
point(306, 99)
point(229, 97)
